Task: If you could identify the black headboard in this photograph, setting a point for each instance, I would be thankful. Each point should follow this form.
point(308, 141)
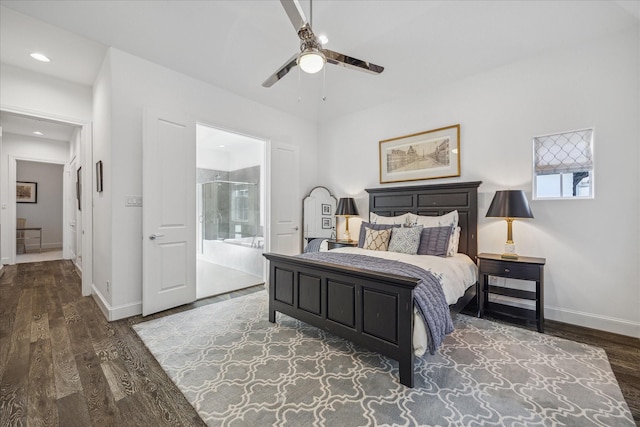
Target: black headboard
point(433, 200)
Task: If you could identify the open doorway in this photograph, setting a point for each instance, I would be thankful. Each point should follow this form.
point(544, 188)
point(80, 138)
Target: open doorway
point(39, 211)
point(231, 211)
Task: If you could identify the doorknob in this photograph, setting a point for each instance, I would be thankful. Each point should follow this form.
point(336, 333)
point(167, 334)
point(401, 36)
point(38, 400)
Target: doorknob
point(296, 228)
point(155, 236)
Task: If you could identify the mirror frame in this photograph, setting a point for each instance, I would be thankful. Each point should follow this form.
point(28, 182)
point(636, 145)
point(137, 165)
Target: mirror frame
point(311, 195)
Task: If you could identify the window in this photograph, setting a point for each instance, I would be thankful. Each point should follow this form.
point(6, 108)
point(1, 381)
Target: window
point(563, 165)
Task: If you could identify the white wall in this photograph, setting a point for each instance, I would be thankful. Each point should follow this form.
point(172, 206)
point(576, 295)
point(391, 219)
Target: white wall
point(102, 203)
point(37, 93)
point(136, 83)
point(47, 212)
point(592, 247)
point(26, 148)
point(74, 244)
point(31, 93)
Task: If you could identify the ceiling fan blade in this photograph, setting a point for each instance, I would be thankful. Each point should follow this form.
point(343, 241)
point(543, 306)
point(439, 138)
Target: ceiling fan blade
point(295, 13)
point(282, 71)
point(350, 62)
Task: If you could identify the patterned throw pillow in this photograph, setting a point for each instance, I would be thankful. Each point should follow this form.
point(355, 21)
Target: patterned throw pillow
point(435, 241)
point(366, 225)
point(405, 240)
point(377, 240)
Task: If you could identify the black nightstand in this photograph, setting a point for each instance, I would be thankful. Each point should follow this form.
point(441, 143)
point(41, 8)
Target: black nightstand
point(523, 268)
point(333, 244)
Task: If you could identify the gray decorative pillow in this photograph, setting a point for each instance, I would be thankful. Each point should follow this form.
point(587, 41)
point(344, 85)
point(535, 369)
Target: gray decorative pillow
point(405, 240)
point(366, 225)
point(435, 241)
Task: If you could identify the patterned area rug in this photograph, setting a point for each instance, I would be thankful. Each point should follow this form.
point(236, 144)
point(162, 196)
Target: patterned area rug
point(236, 368)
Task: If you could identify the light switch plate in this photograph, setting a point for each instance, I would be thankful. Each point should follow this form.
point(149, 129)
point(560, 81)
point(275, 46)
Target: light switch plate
point(133, 201)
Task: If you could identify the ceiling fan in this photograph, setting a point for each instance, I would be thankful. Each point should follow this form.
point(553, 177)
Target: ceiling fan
point(312, 56)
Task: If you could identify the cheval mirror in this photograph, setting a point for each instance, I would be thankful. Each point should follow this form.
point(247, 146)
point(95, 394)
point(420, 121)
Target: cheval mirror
point(318, 215)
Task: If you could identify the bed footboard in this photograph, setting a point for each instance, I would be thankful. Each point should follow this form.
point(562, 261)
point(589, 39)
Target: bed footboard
point(371, 309)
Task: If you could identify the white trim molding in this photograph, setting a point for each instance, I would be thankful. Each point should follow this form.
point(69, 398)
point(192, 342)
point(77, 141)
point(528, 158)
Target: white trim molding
point(118, 312)
point(593, 321)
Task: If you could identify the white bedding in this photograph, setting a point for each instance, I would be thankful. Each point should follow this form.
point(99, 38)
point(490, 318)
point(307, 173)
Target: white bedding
point(457, 274)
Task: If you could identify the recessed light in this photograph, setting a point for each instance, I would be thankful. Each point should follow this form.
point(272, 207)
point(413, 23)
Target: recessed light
point(40, 57)
point(38, 133)
point(323, 39)
point(221, 146)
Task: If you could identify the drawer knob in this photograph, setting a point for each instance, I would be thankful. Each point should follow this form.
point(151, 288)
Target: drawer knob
point(506, 270)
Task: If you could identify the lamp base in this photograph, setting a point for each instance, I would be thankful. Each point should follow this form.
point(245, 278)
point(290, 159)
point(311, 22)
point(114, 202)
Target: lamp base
point(346, 236)
point(509, 251)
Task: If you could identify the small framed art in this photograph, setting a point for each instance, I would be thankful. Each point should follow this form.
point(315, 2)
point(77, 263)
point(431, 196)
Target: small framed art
point(26, 192)
point(326, 223)
point(99, 185)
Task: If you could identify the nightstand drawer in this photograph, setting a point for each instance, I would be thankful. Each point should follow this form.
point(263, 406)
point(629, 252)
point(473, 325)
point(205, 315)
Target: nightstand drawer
point(511, 270)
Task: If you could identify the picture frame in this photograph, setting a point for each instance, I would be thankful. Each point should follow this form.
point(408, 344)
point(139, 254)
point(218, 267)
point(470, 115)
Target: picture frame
point(99, 185)
point(79, 187)
point(26, 192)
point(326, 223)
point(326, 209)
point(426, 155)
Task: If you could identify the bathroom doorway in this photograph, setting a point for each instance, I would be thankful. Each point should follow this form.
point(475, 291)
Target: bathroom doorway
point(231, 211)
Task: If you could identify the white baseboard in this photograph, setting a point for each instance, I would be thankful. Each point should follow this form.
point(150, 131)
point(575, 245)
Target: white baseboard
point(594, 321)
point(34, 247)
point(579, 318)
point(78, 268)
point(118, 312)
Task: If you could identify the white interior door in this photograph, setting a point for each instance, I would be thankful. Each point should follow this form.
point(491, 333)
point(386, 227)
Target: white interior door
point(286, 201)
point(168, 211)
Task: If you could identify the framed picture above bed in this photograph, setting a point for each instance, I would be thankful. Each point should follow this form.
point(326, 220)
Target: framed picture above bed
point(425, 155)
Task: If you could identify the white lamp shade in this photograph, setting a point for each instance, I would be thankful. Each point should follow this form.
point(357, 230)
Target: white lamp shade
point(311, 62)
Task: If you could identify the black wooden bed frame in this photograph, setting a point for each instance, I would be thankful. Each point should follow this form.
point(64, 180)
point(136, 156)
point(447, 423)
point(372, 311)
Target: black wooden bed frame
point(372, 309)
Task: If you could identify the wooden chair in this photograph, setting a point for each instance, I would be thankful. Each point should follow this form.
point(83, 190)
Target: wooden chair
point(20, 237)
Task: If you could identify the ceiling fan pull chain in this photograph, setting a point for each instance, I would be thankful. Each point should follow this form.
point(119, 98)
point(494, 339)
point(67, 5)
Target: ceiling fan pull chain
point(299, 87)
point(324, 79)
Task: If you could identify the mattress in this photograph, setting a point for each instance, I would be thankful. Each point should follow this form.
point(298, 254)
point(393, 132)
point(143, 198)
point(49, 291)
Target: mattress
point(456, 273)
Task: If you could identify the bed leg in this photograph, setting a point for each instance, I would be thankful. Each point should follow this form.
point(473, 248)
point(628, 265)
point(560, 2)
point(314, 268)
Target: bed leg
point(406, 372)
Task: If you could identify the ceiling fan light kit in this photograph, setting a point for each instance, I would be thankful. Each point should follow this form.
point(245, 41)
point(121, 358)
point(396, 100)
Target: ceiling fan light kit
point(312, 57)
point(311, 60)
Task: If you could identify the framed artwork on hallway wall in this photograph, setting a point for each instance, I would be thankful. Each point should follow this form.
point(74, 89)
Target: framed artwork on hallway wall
point(26, 192)
point(79, 187)
point(425, 155)
point(99, 186)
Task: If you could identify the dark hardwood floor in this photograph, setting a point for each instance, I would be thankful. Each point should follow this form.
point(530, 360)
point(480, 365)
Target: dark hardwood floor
point(63, 364)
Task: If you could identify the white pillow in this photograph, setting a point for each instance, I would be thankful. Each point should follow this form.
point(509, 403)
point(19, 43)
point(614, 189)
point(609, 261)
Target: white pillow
point(400, 219)
point(450, 219)
point(438, 221)
point(454, 242)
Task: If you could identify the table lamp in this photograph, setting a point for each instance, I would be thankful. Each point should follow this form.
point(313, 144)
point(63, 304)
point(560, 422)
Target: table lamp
point(346, 208)
point(509, 204)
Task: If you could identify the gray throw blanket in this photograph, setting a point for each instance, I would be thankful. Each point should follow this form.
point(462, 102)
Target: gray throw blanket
point(428, 295)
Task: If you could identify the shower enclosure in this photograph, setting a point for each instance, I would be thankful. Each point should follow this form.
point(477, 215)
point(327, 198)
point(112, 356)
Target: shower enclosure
point(231, 230)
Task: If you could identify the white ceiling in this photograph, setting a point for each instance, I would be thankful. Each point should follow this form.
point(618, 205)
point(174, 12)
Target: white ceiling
point(236, 45)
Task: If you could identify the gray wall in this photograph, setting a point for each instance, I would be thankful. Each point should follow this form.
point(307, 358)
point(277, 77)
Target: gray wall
point(47, 212)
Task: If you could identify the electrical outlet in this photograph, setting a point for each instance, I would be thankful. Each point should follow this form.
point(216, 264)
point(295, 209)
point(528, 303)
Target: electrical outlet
point(108, 287)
